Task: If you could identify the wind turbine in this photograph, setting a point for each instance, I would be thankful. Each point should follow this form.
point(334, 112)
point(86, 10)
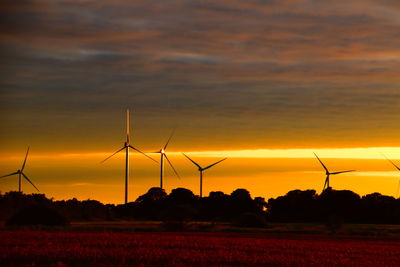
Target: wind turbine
point(201, 171)
point(20, 173)
point(326, 184)
point(126, 147)
point(398, 187)
point(163, 155)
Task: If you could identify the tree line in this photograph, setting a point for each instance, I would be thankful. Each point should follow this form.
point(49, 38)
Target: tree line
point(238, 207)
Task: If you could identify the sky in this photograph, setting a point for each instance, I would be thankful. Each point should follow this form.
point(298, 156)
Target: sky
point(264, 83)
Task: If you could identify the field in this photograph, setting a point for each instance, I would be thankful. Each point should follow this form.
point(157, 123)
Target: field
point(105, 248)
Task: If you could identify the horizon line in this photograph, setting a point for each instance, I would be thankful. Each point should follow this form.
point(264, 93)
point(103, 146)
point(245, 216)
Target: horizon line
point(273, 153)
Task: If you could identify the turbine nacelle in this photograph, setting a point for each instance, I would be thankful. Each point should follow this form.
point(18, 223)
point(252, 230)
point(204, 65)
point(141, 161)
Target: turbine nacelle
point(20, 174)
point(163, 155)
point(126, 147)
point(326, 184)
point(201, 171)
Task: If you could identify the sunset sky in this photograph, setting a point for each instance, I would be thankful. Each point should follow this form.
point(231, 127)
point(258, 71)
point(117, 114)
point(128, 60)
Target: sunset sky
point(264, 83)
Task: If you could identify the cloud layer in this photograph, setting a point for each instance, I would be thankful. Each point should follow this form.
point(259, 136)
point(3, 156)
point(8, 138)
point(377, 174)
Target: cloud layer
point(229, 73)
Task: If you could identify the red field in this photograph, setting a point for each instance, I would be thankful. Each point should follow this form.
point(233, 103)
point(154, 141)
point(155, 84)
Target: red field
point(63, 248)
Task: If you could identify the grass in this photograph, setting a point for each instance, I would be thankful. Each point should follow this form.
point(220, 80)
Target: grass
point(105, 248)
point(282, 228)
point(300, 228)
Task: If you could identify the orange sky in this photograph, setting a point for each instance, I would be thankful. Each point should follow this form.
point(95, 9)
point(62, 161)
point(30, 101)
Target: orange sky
point(65, 176)
point(228, 75)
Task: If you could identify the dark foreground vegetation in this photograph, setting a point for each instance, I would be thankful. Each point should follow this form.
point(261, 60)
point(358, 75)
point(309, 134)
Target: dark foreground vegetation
point(71, 248)
point(331, 207)
point(194, 232)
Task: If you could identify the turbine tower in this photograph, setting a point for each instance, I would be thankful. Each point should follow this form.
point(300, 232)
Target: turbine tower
point(21, 174)
point(398, 186)
point(201, 171)
point(126, 147)
point(163, 155)
point(326, 184)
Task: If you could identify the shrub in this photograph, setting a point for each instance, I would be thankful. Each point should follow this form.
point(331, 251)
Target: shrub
point(250, 219)
point(179, 213)
point(37, 215)
point(175, 226)
point(334, 223)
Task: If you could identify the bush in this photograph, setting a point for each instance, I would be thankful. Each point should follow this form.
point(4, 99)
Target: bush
point(334, 223)
point(37, 215)
point(250, 219)
point(175, 226)
point(179, 213)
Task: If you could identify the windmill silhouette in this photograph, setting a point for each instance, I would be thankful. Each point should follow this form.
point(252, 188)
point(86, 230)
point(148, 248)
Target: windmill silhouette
point(397, 167)
point(21, 174)
point(328, 173)
point(126, 147)
point(163, 155)
point(201, 170)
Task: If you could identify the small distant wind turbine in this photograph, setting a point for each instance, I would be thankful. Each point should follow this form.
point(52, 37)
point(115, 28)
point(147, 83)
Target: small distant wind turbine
point(126, 146)
point(398, 187)
point(163, 155)
point(201, 171)
point(326, 184)
point(20, 174)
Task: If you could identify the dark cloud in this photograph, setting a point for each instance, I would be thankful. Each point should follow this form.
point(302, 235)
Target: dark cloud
point(279, 70)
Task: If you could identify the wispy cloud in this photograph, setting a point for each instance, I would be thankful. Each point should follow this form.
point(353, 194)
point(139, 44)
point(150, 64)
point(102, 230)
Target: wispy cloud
point(292, 72)
point(190, 58)
point(80, 184)
point(300, 153)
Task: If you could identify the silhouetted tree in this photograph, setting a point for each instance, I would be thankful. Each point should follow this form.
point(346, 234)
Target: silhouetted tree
point(260, 203)
point(154, 194)
point(215, 207)
point(181, 195)
point(241, 195)
point(85, 210)
point(181, 205)
point(341, 203)
point(152, 204)
point(37, 214)
point(241, 203)
point(295, 206)
point(13, 201)
point(377, 208)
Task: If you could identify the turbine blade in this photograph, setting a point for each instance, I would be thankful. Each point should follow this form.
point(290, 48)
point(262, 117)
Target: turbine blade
point(26, 156)
point(143, 153)
point(326, 182)
point(214, 164)
point(398, 189)
point(391, 162)
point(14, 173)
point(30, 181)
point(326, 169)
point(173, 131)
point(127, 126)
point(170, 164)
point(397, 167)
point(343, 172)
point(113, 154)
point(192, 161)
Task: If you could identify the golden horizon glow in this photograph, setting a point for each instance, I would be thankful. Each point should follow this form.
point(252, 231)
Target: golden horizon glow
point(264, 172)
point(333, 153)
point(265, 108)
